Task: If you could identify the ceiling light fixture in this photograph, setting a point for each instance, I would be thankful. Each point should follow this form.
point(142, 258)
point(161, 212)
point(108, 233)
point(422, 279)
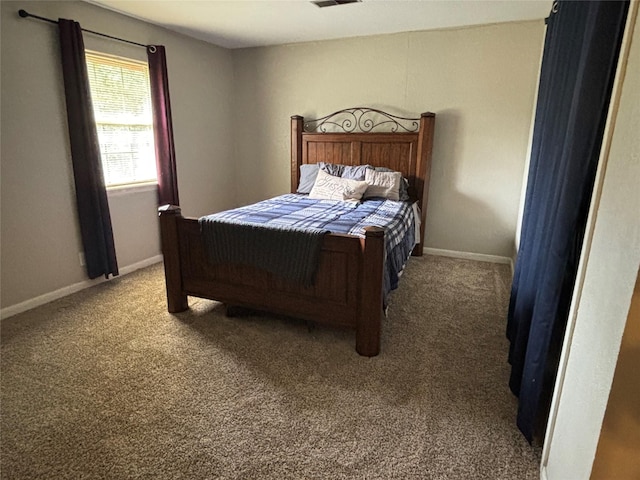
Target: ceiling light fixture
point(331, 3)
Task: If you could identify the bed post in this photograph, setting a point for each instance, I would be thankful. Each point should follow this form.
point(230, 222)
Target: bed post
point(176, 299)
point(296, 151)
point(425, 147)
point(370, 308)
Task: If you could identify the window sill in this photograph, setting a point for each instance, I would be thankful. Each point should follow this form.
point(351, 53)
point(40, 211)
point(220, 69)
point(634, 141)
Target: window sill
point(132, 189)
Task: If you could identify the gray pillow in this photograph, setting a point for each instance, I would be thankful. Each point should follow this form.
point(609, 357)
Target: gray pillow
point(332, 168)
point(355, 172)
point(308, 174)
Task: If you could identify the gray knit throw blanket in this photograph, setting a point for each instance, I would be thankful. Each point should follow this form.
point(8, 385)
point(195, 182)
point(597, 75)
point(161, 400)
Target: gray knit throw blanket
point(290, 253)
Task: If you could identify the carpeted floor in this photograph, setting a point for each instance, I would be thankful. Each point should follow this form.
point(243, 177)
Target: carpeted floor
point(106, 384)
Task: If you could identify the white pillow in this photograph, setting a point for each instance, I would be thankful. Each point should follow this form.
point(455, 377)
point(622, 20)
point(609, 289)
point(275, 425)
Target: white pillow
point(383, 184)
point(328, 187)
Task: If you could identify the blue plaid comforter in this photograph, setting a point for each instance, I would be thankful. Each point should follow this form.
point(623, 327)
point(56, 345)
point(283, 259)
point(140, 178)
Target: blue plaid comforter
point(301, 212)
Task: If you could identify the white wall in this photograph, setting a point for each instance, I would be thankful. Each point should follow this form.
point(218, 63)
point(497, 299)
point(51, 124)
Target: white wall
point(611, 265)
point(479, 81)
point(40, 238)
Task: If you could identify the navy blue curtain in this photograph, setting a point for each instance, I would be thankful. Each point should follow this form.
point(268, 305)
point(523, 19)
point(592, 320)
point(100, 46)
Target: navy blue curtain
point(578, 67)
point(162, 126)
point(91, 193)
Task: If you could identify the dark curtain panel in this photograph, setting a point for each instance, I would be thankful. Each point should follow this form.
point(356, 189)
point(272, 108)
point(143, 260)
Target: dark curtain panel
point(91, 194)
point(162, 126)
point(578, 67)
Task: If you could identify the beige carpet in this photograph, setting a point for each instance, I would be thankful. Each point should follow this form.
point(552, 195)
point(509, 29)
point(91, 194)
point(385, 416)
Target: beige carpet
point(106, 384)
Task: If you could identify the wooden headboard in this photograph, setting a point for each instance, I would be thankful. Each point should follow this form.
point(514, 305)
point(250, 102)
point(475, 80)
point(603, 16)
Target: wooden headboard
point(405, 145)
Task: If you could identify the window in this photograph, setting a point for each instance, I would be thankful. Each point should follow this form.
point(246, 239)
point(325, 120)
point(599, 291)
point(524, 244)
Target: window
point(122, 108)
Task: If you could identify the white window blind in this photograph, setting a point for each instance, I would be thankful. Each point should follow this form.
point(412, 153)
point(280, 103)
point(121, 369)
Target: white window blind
point(122, 108)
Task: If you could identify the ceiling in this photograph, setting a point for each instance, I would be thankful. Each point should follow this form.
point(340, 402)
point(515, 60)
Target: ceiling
point(253, 23)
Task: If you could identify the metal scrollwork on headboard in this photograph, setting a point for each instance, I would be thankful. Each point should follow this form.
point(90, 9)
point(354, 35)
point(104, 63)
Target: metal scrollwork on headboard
point(362, 119)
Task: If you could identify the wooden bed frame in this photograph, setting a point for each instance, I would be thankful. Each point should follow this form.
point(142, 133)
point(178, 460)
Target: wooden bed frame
point(348, 291)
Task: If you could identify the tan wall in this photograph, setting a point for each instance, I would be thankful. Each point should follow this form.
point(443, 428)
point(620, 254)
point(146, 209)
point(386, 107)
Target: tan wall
point(618, 453)
point(479, 81)
point(40, 239)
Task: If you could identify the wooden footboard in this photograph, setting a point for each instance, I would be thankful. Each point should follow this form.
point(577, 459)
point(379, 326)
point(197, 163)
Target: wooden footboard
point(347, 291)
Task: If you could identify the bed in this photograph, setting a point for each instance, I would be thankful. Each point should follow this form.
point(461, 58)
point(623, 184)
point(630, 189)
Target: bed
point(348, 287)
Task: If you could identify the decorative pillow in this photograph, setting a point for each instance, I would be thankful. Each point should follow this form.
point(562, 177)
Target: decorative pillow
point(404, 184)
point(329, 187)
point(308, 174)
point(383, 184)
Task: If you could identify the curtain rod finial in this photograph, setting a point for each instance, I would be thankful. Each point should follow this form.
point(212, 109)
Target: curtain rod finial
point(23, 13)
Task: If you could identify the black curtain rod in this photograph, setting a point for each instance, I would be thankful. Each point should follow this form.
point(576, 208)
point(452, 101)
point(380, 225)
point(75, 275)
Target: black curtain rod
point(25, 14)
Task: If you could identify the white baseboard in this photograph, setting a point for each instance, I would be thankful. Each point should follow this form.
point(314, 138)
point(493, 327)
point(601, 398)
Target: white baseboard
point(76, 287)
point(543, 473)
point(481, 257)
